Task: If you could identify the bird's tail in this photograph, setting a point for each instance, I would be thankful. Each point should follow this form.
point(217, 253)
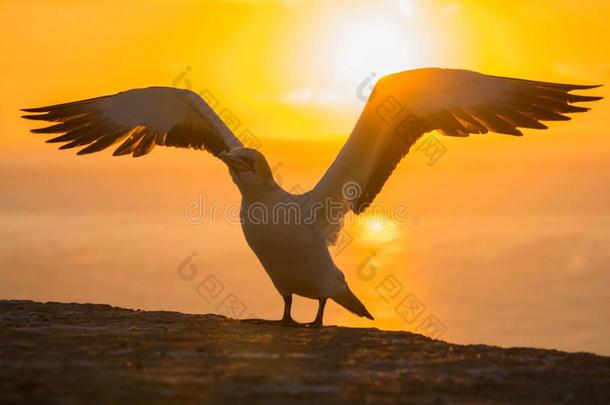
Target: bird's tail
point(349, 301)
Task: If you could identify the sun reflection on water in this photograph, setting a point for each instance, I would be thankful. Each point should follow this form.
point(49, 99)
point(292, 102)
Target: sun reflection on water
point(377, 229)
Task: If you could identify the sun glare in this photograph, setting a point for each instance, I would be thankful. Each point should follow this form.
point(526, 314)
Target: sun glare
point(378, 229)
point(364, 45)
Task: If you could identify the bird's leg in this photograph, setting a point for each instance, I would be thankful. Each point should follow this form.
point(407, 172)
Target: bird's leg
point(317, 323)
point(287, 318)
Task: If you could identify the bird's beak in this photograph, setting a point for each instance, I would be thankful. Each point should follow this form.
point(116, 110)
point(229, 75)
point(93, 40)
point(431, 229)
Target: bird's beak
point(234, 162)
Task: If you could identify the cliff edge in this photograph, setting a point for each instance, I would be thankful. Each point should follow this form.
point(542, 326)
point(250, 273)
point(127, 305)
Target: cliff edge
point(54, 352)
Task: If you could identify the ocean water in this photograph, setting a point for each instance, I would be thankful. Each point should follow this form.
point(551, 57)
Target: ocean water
point(493, 250)
point(523, 281)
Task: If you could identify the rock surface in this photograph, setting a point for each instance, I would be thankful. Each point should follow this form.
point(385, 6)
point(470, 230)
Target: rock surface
point(57, 352)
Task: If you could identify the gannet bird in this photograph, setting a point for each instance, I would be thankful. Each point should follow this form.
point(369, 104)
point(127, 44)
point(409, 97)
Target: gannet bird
point(294, 252)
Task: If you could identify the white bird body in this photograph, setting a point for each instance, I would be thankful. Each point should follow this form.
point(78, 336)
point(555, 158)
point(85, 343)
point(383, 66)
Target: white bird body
point(294, 251)
point(294, 255)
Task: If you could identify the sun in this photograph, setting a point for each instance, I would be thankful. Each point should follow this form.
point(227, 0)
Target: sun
point(344, 48)
point(368, 44)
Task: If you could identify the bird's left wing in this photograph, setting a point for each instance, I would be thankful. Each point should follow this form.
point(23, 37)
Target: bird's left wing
point(141, 118)
point(406, 105)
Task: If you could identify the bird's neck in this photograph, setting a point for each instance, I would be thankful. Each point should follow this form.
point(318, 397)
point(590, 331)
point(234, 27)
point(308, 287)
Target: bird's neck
point(259, 191)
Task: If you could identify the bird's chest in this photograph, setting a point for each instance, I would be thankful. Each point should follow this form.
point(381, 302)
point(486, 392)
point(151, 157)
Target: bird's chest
point(295, 258)
point(275, 234)
point(266, 235)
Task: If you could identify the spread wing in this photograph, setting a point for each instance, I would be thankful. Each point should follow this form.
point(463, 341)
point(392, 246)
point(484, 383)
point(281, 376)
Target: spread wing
point(141, 119)
point(406, 105)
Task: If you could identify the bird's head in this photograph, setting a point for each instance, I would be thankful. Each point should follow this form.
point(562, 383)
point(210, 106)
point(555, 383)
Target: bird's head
point(249, 170)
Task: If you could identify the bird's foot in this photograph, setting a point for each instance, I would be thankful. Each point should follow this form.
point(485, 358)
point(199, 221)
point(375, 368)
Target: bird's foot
point(314, 324)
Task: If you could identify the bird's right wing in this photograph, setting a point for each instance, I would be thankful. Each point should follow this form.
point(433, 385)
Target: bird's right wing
point(141, 118)
point(406, 105)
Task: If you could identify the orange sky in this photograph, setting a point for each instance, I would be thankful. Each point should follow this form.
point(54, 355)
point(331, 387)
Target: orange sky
point(289, 71)
point(286, 68)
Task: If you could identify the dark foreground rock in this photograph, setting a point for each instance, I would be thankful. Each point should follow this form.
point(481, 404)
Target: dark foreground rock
point(96, 353)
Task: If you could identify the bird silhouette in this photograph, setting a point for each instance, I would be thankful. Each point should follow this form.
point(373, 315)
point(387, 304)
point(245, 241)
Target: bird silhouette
point(294, 248)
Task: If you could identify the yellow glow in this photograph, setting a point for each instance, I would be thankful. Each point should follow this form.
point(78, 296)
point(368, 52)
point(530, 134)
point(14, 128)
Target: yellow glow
point(289, 71)
point(285, 69)
point(365, 44)
point(377, 229)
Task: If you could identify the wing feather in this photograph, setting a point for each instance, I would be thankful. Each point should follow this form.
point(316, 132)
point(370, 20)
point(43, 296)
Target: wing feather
point(404, 106)
point(130, 144)
point(141, 118)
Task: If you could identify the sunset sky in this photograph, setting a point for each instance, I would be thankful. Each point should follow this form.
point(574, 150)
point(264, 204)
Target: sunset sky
point(507, 242)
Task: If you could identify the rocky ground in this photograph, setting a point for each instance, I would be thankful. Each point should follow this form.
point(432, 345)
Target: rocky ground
point(67, 353)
